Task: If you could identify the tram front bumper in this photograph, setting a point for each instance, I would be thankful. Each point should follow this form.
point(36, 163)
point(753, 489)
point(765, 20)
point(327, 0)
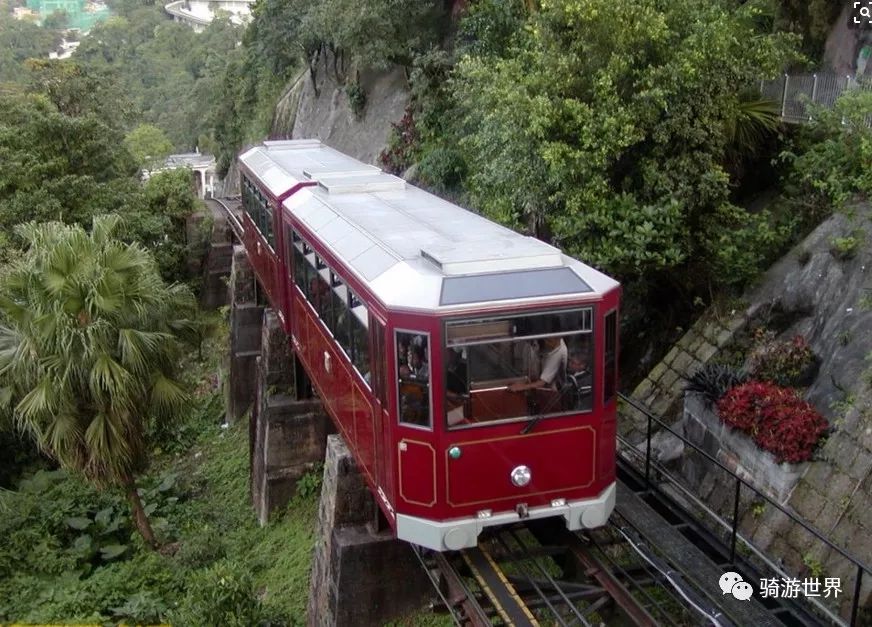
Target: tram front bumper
point(463, 533)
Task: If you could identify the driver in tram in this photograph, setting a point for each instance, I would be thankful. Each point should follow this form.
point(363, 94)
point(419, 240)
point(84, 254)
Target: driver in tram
point(553, 358)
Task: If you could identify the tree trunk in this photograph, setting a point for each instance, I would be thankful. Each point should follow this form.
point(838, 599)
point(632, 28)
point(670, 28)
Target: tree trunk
point(139, 517)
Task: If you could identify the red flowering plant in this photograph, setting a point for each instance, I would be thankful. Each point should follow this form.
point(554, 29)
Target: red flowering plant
point(778, 419)
point(403, 144)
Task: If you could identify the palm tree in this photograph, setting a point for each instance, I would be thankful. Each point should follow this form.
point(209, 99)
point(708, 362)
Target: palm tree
point(88, 340)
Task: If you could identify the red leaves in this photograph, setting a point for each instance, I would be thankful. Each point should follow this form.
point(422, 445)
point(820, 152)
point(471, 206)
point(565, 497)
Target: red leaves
point(778, 419)
point(402, 146)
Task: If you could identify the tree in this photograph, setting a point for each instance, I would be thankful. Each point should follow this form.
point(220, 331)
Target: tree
point(148, 144)
point(608, 130)
point(88, 341)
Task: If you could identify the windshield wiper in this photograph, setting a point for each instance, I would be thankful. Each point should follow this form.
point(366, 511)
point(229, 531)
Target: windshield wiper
point(533, 422)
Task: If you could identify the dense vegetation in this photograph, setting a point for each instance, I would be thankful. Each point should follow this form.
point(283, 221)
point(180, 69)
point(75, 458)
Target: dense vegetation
point(624, 136)
point(631, 138)
point(70, 552)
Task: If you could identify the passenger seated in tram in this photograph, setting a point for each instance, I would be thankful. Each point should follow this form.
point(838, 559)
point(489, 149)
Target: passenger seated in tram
point(414, 374)
point(577, 392)
point(418, 366)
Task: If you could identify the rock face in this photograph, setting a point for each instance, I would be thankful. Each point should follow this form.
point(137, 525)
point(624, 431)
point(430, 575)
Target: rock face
point(322, 111)
point(822, 290)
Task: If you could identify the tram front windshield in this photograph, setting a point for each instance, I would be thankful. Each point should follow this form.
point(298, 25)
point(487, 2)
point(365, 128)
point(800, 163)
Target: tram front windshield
point(512, 367)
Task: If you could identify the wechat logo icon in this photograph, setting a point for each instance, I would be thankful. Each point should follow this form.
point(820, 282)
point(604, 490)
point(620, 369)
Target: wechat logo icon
point(732, 583)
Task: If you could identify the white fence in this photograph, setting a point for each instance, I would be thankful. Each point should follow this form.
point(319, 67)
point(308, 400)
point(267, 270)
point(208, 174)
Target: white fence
point(794, 93)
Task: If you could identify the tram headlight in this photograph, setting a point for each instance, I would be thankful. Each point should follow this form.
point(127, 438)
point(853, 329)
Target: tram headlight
point(521, 476)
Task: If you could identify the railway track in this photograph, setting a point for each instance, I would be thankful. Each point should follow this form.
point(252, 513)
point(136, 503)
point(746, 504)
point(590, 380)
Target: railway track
point(541, 574)
point(538, 573)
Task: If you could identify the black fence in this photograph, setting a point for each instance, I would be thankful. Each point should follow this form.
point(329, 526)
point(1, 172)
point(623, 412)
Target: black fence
point(731, 527)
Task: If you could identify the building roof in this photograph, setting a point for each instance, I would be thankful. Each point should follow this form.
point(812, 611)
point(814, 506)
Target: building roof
point(415, 250)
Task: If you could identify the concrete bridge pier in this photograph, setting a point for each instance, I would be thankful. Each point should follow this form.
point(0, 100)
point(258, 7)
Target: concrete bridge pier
point(245, 335)
point(287, 436)
point(360, 577)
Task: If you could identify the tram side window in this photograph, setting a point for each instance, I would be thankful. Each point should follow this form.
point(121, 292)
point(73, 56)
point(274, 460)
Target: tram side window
point(379, 362)
point(303, 271)
point(340, 324)
point(360, 340)
point(258, 208)
point(413, 380)
point(611, 338)
point(320, 297)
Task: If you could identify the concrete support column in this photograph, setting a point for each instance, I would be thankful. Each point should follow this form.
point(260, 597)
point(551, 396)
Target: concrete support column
point(359, 577)
point(287, 437)
point(245, 335)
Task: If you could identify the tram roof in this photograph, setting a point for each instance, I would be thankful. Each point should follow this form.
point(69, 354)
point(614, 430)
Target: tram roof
point(280, 165)
point(418, 251)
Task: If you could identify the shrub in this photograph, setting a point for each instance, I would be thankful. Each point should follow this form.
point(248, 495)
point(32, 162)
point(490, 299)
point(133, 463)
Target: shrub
point(402, 146)
point(220, 595)
point(844, 248)
point(356, 98)
point(712, 381)
point(777, 418)
point(787, 363)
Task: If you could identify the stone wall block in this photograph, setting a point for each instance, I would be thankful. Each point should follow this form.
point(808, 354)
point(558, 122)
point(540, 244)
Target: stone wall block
point(671, 355)
point(289, 439)
point(245, 336)
point(683, 362)
point(358, 577)
point(278, 362)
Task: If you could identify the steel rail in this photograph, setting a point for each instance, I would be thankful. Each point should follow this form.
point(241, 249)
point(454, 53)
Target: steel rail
point(861, 569)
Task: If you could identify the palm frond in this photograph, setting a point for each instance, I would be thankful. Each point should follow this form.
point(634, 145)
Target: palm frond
point(38, 402)
point(167, 396)
point(104, 227)
point(109, 380)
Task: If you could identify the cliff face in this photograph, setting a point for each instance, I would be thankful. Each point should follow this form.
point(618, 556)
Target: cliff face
point(822, 290)
point(322, 110)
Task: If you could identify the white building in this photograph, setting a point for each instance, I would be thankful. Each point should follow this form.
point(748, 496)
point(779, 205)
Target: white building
point(198, 13)
point(202, 167)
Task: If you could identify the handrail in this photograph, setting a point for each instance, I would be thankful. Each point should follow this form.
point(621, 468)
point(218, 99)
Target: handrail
point(862, 567)
point(235, 224)
point(793, 92)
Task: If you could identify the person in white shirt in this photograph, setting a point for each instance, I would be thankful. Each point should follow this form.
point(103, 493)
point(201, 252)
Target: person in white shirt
point(553, 359)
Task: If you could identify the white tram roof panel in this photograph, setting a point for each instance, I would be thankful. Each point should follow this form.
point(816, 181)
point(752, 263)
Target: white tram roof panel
point(417, 251)
point(280, 165)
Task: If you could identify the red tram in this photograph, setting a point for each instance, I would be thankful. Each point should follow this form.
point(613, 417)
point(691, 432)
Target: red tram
point(471, 370)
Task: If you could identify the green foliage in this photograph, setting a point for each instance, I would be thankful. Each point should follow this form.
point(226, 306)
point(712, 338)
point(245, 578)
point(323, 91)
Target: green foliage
point(201, 490)
point(845, 248)
point(491, 27)
point(374, 33)
point(172, 75)
point(21, 40)
point(309, 485)
point(787, 363)
point(87, 349)
point(830, 160)
point(356, 98)
point(222, 594)
point(812, 19)
point(610, 131)
point(148, 144)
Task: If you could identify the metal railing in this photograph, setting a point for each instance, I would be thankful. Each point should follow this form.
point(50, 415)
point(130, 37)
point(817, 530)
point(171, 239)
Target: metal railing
point(794, 93)
point(232, 220)
point(732, 527)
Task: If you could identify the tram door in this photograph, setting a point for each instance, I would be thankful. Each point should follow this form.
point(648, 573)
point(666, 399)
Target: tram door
point(381, 418)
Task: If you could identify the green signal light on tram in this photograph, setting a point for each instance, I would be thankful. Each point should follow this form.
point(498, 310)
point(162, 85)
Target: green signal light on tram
point(454, 452)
